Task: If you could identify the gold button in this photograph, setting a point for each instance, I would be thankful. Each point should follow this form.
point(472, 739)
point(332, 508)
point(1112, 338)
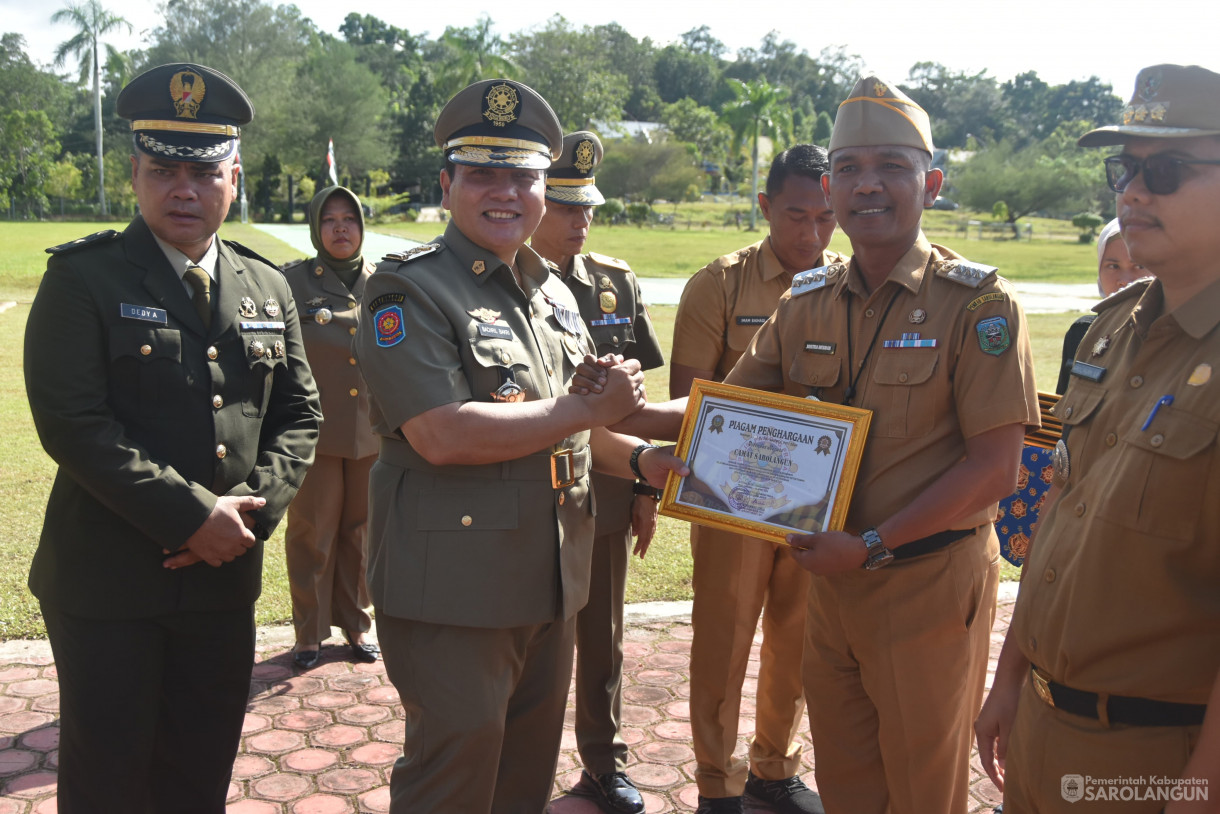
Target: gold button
point(1156, 440)
point(351, 304)
point(1067, 413)
point(467, 520)
point(221, 450)
point(212, 352)
point(352, 331)
point(1080, 510)
point(353, 392)
point(549, 371)
point(1049, 575)
point(351, 361)
point(869, 312)
point(1111, 439)
point(1137, 381)
point(317, 272)
point(902, 377)
point(145, 350)
point(217, 402)
point(561, 498)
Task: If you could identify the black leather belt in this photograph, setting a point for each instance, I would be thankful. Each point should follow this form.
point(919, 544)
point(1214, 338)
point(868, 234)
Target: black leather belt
point(1115, 709)
point(933, 542)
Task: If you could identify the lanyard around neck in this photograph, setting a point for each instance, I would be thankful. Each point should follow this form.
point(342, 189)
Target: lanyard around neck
point(850, 392)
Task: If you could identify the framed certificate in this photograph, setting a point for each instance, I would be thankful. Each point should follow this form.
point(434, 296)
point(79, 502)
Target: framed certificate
point(765, 464)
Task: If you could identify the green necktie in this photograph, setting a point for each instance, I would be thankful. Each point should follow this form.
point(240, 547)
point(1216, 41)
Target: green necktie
point(199, 280)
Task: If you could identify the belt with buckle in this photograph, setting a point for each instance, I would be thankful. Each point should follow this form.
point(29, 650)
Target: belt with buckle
point(933, 542)
point(1115, 709)
point(562, 469)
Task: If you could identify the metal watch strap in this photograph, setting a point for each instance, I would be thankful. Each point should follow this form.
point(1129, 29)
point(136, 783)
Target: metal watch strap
point(878, 555)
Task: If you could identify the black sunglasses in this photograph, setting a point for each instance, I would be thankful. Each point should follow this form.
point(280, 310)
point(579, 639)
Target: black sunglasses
point(1162, 174)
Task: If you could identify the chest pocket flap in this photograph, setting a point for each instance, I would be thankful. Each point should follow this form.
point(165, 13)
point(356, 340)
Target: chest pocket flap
point(906, 366)
point(1080, 402)
point(1175, 433)
point(815, 370)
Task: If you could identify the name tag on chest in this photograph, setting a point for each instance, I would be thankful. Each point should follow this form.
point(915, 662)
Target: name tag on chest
point(495, 331)
point(1086, 371)
point(752, 320)
point(142, 312)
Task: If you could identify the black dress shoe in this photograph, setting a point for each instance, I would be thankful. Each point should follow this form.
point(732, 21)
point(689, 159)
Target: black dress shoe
point(787, 796)
point(615, 793)
point(307, 658)
point(367, 653)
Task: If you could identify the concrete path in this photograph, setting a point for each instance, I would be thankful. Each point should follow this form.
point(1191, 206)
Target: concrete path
point(1036, 298)
point(323, 741)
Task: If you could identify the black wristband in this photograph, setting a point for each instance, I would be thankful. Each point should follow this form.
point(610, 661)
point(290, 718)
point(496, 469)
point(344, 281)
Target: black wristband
point(634, 460)
point(643, 488)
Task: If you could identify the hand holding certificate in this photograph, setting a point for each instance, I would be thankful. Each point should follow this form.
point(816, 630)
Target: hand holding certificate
point(765, 464)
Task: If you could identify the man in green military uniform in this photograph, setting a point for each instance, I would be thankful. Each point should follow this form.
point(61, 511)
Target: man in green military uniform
point(167, 378)
point(481, 522)
point(608, 296)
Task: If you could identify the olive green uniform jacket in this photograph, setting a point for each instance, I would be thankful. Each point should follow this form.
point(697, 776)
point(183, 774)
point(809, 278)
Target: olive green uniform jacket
point(150, 418)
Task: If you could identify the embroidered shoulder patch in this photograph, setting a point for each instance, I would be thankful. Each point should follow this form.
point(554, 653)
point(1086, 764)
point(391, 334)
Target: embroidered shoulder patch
point(963, 272)
point(414, 253)
point(388, 324)
point(612, 262)
point(993, 335)
point(104, 236)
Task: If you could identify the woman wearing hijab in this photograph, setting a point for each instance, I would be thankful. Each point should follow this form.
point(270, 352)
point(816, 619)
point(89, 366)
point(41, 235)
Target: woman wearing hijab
point(325, 543)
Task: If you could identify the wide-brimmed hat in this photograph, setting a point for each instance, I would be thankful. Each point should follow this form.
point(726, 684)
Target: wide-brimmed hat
point(1170, 101)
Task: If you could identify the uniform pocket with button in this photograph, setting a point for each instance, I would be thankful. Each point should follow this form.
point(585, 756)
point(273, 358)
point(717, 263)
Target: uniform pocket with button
point(611, 338)
point(264, 354)
point(908, 409)
point(498, 359)
point(820, 374)
point(1165, 475)
point(147, 377)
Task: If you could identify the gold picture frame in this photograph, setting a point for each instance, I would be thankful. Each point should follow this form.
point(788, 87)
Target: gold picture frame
point(765, 464)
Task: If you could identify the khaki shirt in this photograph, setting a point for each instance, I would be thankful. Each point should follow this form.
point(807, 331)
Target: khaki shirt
point(608, 294)
point(482, 546)
point(328, 314)
point(724, 304)
point(1121, 593)
point(926, 401)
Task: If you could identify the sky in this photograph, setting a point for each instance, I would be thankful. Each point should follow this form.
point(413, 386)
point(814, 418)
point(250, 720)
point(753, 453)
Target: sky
point(1060, 39)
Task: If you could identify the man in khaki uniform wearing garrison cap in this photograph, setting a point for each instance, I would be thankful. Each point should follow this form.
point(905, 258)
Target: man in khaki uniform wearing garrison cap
point(1107, 691)
point(168, 380)
point(608, 296)
point(722, 307)
point(481, 521)
point(902, 600)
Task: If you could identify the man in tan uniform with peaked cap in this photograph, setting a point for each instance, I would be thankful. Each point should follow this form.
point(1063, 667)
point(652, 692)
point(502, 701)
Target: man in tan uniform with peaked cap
point(902, 600)
point(481, 521)
point(608, 296)
point(734, 576)
point(1107, 693)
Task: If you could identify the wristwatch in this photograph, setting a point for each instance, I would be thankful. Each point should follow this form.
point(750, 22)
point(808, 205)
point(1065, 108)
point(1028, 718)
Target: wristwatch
point(878, 555)
point(642, 488)
point(634, 461)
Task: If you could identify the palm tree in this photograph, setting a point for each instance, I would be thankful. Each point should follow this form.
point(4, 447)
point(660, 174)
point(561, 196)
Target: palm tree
point(757, 110)
point(471, 54)
point(92, 23)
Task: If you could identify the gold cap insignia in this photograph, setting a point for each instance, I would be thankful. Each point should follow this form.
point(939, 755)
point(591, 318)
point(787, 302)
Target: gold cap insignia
point(583, 156)
point(502, 103)
point(485, 315)
point(1150, 83)
point(879, 89)
point(186, 89)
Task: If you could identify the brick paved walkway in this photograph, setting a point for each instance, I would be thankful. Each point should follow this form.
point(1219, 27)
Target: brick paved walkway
point(324, 741)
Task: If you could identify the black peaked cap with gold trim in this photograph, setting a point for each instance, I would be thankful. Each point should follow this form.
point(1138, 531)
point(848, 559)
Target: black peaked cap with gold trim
point(570, 179)
point(499, 123)
point(185, 112)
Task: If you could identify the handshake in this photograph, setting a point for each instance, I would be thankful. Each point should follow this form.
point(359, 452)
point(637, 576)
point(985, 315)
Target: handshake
point(615, 384)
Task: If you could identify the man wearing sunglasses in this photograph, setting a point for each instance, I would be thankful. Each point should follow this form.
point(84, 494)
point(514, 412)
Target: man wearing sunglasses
point(1111, 660)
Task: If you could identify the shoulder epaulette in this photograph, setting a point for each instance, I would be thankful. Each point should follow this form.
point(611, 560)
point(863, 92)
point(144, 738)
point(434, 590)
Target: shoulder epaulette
point(294, 263)
point(813, 279)
point(104, 236)
point(413, 253)
point(612, 262)
point(246, 251)
point(1135, 288)
point(964, 272)
point(552, 267)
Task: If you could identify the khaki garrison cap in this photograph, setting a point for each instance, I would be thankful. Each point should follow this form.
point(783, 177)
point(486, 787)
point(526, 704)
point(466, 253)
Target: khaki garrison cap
point(185, 112)
point(877, 113)
point(499, 123)
point(1170, 101)
point(570, 179)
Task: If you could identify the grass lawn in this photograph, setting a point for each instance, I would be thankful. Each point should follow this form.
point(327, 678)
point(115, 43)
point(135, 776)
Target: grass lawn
point(26, 472)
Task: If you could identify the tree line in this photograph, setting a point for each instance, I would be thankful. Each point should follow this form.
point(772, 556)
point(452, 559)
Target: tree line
point(376, 89)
